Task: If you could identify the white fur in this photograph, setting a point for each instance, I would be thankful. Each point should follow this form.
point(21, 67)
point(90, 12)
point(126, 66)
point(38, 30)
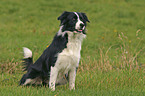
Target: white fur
point(36, 81)
point(77, 26)
point(27, 52)
point(67, 60)
point(60, 31)
point(28, 81)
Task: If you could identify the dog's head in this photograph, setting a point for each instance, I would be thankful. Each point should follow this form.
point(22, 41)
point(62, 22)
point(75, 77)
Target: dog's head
point(73, 21)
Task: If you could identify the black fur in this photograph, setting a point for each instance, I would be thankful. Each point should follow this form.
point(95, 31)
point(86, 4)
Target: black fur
point(41, 67)
point(69, 19)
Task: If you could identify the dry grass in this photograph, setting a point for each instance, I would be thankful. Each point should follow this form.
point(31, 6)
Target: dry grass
point(124, 59)
point(10, 67)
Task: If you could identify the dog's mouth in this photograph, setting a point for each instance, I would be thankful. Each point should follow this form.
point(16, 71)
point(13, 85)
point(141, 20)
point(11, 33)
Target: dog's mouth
point(79, 30)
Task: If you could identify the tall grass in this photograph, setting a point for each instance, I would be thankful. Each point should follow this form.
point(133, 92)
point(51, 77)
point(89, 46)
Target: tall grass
point(125, 58)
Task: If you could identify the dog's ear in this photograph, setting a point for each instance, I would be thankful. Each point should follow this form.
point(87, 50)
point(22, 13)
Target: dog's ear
point(63, 17)
point(85, 17)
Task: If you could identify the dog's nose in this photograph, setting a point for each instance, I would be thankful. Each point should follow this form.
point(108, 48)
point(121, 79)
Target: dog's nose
point(82, 25)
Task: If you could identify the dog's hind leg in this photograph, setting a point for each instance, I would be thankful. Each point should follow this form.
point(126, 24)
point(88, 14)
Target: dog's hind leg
point(25, 80)
point(28, 81)
point(35, 81)
point(31, 77)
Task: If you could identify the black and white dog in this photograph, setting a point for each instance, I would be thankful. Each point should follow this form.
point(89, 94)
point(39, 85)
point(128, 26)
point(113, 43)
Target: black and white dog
point(61, 59)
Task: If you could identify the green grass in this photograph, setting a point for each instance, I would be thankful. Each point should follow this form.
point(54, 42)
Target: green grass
point(87, 83)
point(112, 62)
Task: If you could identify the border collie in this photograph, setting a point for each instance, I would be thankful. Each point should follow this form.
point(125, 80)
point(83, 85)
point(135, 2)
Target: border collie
point(59, 62)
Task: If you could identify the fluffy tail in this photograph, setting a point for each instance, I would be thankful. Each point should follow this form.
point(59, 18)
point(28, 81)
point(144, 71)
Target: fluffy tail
point(28, 59)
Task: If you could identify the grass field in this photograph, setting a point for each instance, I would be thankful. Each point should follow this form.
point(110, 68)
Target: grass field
point(112, 62)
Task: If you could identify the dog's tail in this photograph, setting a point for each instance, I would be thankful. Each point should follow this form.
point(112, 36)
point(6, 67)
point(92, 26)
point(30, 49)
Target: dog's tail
point(28, 58)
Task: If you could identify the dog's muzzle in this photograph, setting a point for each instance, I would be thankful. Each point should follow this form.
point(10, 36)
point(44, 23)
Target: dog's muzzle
point(81, 29)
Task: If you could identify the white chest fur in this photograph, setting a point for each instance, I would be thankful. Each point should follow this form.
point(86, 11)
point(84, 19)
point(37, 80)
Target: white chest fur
point(70, 56)
point(67, 61)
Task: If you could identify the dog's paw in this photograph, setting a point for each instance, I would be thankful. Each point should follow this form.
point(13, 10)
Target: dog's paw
point(52, 89)
point(72, 86)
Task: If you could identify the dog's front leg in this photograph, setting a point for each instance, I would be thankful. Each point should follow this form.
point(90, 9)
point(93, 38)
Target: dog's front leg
point(53, 77)
point(72, 76)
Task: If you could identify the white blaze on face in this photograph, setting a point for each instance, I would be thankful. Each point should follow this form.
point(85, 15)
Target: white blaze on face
point(77, 26)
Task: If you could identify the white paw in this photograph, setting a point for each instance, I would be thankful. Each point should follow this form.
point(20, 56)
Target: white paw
point(72, 87)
